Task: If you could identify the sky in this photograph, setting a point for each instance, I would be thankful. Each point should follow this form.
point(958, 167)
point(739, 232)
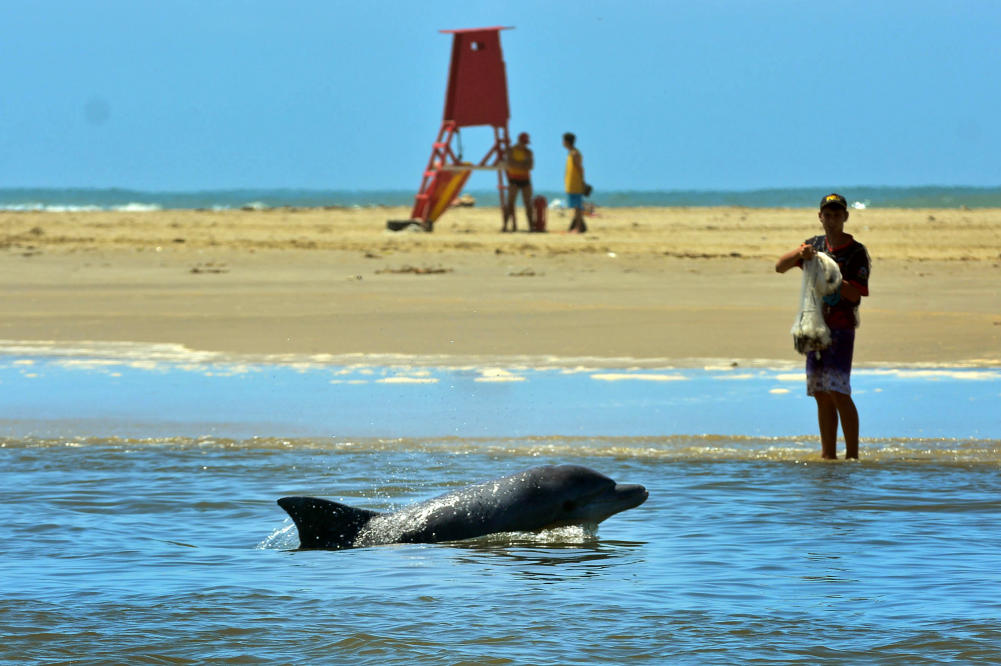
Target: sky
point(331, 94)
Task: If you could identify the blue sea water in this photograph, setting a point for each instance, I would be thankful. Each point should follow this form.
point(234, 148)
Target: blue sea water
point(164, 391)
point(137, 488)
point(125, 199)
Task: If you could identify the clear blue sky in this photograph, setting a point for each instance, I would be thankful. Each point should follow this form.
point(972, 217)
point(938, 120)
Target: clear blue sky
point(331, 94)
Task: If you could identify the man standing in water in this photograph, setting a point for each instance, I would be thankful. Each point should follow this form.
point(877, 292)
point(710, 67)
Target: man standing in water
point(574, 181)
point(519, 177)
point(828, 377)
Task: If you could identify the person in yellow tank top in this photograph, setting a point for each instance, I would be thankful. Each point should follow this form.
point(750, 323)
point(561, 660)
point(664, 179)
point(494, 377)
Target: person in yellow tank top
point(574, 182)
point(519, 161)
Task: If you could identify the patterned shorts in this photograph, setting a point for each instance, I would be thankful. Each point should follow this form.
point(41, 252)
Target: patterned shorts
point(833, 370)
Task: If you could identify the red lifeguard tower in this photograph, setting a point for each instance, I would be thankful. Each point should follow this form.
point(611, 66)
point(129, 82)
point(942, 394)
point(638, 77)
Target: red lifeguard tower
point(476, 96)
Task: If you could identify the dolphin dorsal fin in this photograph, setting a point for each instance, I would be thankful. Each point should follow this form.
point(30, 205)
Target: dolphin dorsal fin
point(325, 524)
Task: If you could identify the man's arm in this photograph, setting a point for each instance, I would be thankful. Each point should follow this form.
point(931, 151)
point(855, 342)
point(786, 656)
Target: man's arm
point(850, 292)
point(795, 257)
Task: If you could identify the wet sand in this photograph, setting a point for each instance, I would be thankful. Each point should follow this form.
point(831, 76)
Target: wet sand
point(651, 284)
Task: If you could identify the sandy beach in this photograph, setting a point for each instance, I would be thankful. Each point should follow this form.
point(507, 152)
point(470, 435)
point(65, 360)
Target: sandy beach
point(651, 285)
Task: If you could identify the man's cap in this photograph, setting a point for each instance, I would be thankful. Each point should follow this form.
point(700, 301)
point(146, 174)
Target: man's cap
point(833, 199)
point(523, 137)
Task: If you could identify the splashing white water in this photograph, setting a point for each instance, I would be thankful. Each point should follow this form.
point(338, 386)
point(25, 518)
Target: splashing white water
point(284, 538)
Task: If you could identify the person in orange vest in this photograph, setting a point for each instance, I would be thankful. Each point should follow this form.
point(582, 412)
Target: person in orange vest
point(519, 161)
point(574, 181)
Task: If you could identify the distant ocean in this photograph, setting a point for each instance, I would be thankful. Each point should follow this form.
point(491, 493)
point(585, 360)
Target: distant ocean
point(70, 199)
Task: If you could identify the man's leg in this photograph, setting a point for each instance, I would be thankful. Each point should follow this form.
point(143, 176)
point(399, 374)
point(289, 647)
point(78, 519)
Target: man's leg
point(827, 419)
point(575, 202)
point(849, 422)
point(526, 196)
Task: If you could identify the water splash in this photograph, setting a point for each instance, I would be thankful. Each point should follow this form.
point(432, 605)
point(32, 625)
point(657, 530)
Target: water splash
point(283, 538)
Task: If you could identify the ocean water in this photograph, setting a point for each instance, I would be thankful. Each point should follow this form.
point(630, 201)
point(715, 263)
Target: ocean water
point(138, 487)
point(861, 196)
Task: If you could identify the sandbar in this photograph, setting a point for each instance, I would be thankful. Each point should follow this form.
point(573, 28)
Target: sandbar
point(645, 286)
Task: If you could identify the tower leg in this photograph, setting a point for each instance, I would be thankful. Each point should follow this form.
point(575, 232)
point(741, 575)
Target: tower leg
point(436, 183)
point(501, 145)
point(441, 153)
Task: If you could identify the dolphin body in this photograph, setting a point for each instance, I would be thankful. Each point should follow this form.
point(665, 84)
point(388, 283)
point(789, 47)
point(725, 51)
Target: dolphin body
point(539, 498)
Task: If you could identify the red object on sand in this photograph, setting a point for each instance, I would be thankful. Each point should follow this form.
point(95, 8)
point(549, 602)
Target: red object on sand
point(539, 223)
point(476, 96)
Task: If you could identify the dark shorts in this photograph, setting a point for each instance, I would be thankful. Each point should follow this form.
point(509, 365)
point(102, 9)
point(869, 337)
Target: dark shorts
point(515, 182)
point(575, 201)
point(833, 370)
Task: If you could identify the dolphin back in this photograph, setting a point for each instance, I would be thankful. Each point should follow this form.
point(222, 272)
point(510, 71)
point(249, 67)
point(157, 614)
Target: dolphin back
point(325, 524)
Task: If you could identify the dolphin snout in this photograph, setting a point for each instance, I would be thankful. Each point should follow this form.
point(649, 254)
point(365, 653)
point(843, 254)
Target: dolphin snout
point(632, 493)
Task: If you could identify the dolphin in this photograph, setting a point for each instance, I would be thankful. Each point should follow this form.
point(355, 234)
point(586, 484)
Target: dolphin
point(533, 500)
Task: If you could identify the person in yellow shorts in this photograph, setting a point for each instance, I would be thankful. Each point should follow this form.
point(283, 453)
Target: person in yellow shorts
point(519, 177)
point(574, 181)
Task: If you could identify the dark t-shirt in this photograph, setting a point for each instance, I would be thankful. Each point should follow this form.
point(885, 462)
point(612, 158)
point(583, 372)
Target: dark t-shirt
point(853, 260)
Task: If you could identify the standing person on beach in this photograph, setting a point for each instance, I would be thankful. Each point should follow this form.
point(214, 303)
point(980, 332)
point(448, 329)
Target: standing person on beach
point(519, 177)
point(828, 377)
point(574, 181)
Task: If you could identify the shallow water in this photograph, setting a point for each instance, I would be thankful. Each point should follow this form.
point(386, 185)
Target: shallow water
point(175, 550)
point(165, 391)
point(171, 548)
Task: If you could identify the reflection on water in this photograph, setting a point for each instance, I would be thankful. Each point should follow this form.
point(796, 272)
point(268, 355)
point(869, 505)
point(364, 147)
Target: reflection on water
point(553, 561)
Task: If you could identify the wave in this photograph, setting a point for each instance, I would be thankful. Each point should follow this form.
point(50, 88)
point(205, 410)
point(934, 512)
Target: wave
point(678, 448)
